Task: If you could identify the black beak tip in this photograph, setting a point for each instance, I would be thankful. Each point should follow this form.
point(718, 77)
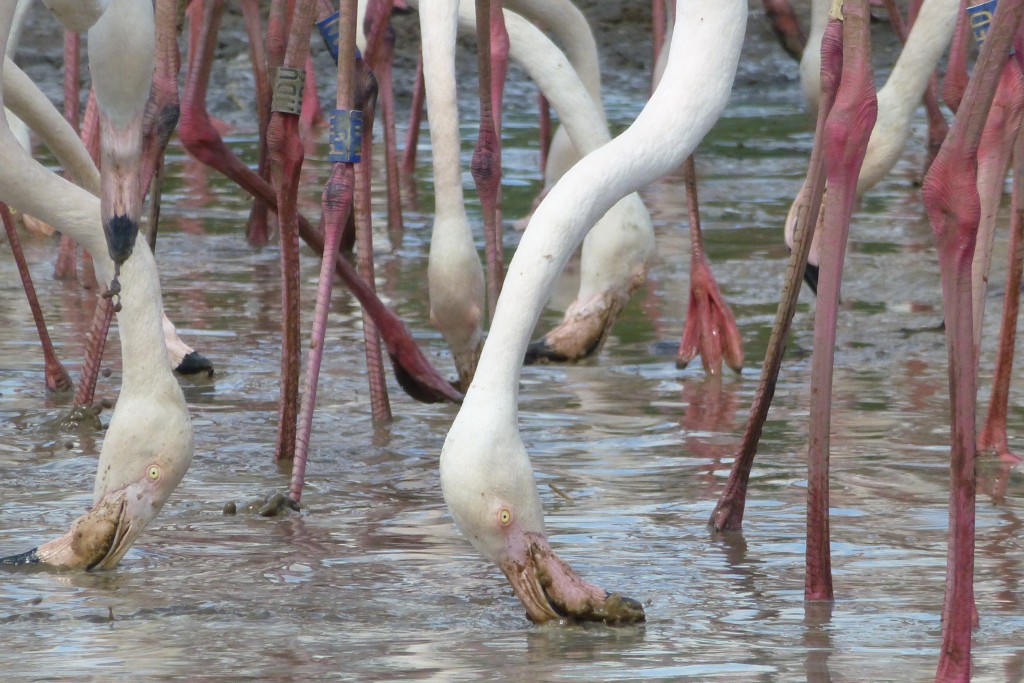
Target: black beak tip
point(21, 560)
point(121, 232)
point(195, 364)
point(811, 277)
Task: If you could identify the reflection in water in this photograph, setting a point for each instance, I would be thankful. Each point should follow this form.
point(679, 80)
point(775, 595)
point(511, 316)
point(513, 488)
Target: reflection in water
point(373, 582)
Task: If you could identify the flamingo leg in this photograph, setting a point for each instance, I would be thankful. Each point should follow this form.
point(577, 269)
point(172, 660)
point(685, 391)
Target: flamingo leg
point(486, 165)
point(286, 156)
point(64, 268)
point(955, 82)
point(257, 231)
point(337, 204)
point(997, 139)
point(728, 512)
point(162, 109)
point(366, 96)
point(951, 198)
point(786, 27)
point(412, 136)
point(710, 326)
point(380, 58)
point(57, 378)
point(847, 130)
point(993, 435)
point(415, 373)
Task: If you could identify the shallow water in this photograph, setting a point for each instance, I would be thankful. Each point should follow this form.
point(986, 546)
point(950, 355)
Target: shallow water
point(373, 581)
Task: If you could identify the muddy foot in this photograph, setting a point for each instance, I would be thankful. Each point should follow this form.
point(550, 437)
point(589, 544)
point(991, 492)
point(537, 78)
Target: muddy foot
point(271, 505)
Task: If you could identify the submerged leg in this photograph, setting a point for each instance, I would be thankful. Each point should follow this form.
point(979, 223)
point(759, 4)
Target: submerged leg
point(951, 197)
point(57, 378)
point(993, 435)
point(728, 512)
point(847, 130)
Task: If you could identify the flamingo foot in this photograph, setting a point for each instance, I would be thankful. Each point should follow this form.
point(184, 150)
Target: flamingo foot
point(271, 505)
point(710, 327)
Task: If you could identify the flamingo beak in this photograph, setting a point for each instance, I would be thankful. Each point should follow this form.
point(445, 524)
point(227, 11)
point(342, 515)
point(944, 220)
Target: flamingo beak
point(99, 538)
point(550, 589)
point(120, 185)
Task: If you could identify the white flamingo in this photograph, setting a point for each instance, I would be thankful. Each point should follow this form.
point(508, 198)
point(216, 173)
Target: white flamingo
point(898, 99)
point(148, 445)
point(485, 471)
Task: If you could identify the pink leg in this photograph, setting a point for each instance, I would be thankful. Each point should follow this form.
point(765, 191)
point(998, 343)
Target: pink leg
point(286, 156)
point(162, 109)
point(366, 90)
point(380, 48)
point(951, 197)
point(544, 116)
point(337, 205)
point(993, 435)
point(847, 130)
point(65, 267)
point(786, 27)
point(312, 115)
point(257, 232)
point(415, 373)
point(728, 513)
point(57, 378)
point(710, 326)
point(412, 137)
point(72, 56)
point(955, 82)
point(486, 165)
point(86, 392)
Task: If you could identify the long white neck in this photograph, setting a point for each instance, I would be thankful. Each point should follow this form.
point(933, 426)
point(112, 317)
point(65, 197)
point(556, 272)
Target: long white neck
point(702, 64)
point(554, 74)
point(810, 63)
point(572, 32)
point(52, 199)
point(438, 27)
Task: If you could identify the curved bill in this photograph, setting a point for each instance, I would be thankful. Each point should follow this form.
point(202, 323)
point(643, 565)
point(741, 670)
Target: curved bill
point(550, 589)
point(96, 540)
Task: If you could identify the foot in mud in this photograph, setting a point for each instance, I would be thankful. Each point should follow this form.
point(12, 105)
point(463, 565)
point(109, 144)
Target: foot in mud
point(271, 505)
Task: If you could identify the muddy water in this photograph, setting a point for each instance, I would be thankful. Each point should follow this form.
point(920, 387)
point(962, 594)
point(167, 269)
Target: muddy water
point(373, 581)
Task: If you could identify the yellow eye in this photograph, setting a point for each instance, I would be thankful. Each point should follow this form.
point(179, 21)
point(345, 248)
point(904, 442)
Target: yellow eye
point(154, 472)
point(505, 516)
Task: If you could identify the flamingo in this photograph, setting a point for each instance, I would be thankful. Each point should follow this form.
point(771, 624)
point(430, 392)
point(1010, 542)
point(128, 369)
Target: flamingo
point(149, 443)
point(486, 476)
point(23, 98)
point(897, 101)
point(954, 210)
point(455, 277)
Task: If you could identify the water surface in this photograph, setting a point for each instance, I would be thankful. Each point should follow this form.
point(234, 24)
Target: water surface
point(373, 581)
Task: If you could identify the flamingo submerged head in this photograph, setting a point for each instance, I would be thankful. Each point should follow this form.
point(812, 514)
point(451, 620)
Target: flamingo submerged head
point(489, 487)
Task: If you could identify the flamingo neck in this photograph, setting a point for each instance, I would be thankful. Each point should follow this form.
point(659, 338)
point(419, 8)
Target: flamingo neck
point(925, 45)
point(571, 30)
point(698, 79)
point(438, 25)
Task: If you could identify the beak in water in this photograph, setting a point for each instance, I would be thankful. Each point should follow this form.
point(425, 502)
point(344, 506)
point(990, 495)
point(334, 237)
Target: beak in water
point(97, 540)
point(550, 589)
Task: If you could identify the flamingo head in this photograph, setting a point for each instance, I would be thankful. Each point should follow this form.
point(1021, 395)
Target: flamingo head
point(144, 457)
point(490, 490)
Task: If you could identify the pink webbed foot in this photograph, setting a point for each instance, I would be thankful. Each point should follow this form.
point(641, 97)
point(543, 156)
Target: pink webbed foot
point(710, 327)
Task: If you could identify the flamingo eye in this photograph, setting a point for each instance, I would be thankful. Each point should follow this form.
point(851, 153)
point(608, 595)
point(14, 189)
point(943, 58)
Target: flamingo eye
point(154, 472)
point(504, 516)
